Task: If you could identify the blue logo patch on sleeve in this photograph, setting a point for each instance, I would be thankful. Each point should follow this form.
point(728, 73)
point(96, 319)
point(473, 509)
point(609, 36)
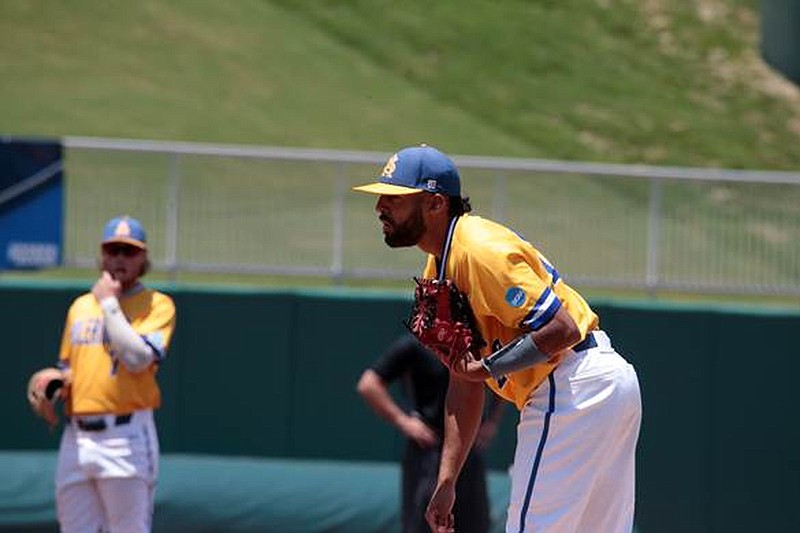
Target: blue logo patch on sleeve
point(515, 297)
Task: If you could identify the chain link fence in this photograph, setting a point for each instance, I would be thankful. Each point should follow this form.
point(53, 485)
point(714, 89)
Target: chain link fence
point(240, 209)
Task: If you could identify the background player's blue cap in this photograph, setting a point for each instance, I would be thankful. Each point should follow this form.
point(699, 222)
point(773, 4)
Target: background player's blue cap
point(416, 169)
point(125, 230)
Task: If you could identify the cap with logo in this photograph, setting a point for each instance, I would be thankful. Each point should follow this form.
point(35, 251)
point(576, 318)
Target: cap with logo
point(416, 169)
point(125, 230)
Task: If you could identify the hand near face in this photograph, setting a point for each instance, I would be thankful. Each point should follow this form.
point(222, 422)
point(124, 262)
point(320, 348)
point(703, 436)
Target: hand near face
point(106, 286)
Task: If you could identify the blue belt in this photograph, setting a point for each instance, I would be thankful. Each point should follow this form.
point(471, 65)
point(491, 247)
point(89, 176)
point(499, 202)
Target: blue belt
point(586, 344)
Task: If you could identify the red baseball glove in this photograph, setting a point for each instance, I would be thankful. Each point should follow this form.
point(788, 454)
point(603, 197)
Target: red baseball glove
point(442, 320)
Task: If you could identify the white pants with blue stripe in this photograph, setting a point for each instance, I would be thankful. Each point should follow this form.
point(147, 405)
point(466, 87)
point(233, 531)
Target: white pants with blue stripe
point(574, 466)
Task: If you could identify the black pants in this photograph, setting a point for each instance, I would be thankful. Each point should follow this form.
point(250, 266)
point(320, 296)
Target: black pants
point(420, 469)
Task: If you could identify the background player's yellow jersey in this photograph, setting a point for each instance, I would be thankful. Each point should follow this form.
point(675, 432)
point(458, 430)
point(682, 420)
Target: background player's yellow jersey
point(101, 382)
point(511, 288)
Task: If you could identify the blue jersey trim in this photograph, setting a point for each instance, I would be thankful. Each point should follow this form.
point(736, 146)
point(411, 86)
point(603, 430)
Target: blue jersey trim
point(158, 352)
point(551, 270)
point(451, 230)
point(538, 459)
point(543, 310)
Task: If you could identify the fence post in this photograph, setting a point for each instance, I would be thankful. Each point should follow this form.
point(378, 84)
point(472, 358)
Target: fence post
point(173, 202)
point(653, 236)
point(337, 264)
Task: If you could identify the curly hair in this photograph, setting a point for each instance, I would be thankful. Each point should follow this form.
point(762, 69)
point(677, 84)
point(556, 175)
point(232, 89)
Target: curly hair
point(459, 206)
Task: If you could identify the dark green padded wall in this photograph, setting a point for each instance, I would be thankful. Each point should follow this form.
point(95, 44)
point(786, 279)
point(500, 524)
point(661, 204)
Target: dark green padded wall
point(273, 374)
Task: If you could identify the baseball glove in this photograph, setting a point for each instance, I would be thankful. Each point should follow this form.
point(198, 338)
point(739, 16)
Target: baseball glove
point(442, 320)
point(45, 388)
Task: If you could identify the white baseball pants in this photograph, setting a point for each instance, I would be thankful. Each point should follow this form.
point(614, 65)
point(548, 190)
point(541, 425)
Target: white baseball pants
point(105, 480)
point(574, 466)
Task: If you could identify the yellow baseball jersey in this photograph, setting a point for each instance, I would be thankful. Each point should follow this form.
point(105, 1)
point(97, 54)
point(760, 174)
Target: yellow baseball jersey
point(100, 382)
point(512, 288)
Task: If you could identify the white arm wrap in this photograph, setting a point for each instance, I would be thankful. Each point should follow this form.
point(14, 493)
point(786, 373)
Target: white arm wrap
point(131, 348)
point(516, 355)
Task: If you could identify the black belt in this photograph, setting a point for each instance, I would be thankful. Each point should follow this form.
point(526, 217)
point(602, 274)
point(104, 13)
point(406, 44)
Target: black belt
point(100, 423)
point(586, 344)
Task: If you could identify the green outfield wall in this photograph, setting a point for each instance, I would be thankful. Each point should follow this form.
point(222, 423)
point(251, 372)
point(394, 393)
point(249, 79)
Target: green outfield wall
point(272, 374)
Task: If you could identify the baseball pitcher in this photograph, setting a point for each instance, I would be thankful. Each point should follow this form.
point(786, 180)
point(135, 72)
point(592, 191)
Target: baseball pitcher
point(540, 347)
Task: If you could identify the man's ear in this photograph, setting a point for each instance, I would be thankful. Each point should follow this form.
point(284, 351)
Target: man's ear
point(437, 202)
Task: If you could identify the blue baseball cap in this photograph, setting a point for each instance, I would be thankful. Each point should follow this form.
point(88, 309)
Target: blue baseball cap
point(416, 169)
point(125, 230)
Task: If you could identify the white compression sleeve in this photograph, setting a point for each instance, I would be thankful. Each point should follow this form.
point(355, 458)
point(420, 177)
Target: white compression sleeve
point(131, 348)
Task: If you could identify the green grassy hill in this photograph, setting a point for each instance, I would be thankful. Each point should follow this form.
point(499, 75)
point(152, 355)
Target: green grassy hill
point(657, 82)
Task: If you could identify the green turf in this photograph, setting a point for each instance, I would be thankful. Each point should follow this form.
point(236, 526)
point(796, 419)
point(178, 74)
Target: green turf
point(232, 72)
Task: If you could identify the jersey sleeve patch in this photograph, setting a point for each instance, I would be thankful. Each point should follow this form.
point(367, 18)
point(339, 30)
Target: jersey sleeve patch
point(543, 310)
point(516, 297)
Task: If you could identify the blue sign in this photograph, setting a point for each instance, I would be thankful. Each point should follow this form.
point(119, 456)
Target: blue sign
point(31, 203)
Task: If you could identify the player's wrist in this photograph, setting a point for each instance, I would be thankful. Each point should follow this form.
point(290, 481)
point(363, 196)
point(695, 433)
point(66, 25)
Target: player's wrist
point(517, 355)
point(477, 371)
point(446, 479)
point(403, 421)
point(110, 304)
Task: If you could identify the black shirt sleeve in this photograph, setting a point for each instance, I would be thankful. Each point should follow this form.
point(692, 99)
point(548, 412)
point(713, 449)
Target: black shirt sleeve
point(397, 359)
point(423, 376)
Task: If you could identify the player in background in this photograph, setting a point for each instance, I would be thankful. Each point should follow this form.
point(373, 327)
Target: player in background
point(114, 340)
point(424, 381)
point(579, 401)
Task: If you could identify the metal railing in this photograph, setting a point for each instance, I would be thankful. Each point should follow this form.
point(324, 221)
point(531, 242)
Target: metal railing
point(265, 210)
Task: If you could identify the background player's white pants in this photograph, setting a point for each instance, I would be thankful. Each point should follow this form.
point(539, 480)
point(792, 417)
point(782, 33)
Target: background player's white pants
point(574, 466)
point(105, 480)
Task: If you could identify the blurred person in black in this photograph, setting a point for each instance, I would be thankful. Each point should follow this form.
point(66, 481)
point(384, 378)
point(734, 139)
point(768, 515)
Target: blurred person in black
point(424, 381)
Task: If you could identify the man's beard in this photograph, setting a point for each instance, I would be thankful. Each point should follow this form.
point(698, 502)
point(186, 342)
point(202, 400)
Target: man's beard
point(408, 233)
